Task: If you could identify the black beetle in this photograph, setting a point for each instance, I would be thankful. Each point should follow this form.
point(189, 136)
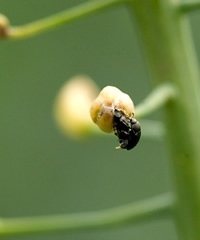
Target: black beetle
point(128, 130)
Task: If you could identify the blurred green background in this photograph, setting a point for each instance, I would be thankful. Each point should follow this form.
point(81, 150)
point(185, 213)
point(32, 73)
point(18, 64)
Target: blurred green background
point(42, 171)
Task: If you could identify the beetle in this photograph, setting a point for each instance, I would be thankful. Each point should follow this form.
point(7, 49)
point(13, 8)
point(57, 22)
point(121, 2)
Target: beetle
point(128, 130)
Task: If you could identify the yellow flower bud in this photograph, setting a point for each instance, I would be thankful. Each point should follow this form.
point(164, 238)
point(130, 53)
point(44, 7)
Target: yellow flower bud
point(103, 108)
point(113, 110)
point(72, 106)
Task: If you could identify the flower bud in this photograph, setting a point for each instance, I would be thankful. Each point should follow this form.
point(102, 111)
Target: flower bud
point(113, 110)
point(72, 106)
point(103, 108)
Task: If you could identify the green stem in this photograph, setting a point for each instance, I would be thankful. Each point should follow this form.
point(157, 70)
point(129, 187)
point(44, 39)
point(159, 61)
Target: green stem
point(153, 129)
point(131, 213)
point(189, 5)
point(167, 43)
point(64, 17)
point(157, 99)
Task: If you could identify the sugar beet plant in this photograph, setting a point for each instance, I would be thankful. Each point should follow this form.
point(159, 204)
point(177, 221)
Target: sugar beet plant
point(165, 34)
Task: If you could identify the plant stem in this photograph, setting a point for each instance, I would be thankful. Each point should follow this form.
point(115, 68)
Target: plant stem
point(64, 17)
point(135, 212)
point(152, 129)
point(158, 98)
point(189, 5)
point(166, 39)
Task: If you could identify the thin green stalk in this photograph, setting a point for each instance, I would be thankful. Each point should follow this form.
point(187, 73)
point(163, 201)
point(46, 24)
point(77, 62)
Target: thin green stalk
point(166, 38)
point(131, 213)
point(153, 129)
point(189, 5)
point(157, 99)
point(58, 19)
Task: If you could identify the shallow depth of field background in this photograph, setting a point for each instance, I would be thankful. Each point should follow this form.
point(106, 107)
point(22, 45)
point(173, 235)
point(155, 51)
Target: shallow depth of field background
point(43, 172)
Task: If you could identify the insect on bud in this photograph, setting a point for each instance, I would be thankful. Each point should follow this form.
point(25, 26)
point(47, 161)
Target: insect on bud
point(113, 110)
point(4, 26)
point(103, 108)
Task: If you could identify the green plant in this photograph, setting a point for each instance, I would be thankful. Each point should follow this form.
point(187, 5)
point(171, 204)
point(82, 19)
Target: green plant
point(166, 39)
